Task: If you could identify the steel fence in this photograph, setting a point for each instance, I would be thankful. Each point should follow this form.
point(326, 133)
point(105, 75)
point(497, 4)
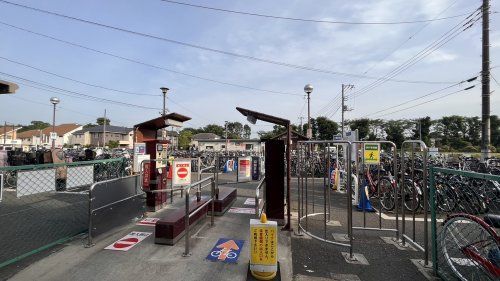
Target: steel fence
point(45, 204)
point(465, 210)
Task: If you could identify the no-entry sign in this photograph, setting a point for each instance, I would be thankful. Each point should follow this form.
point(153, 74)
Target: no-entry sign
point(182, 172)
point(129, 241)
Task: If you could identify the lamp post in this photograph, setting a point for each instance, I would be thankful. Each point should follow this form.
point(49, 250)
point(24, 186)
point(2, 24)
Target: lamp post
point(54, 101)
point(308, 89)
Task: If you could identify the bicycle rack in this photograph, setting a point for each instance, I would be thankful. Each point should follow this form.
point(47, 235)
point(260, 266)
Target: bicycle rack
point(395, 169)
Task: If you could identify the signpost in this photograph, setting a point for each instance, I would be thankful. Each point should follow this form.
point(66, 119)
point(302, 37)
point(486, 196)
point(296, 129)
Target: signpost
point(53, 135)
point(372, 153)
point(182, 172)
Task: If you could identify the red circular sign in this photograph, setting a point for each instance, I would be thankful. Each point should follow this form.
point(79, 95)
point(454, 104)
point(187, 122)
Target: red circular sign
point(182, 172)
point(127, 242)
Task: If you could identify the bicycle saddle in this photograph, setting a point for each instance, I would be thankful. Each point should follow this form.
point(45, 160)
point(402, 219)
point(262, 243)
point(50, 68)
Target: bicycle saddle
point(492, 220)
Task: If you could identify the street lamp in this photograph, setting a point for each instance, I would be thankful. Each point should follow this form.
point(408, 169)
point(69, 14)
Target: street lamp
point(164, 90)
point(54, 101)
point(308, 89)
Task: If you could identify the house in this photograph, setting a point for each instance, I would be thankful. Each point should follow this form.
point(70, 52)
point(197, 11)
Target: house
point(295, 138)
point(41, 137)
point(9, 137)
point(232, 145)
point(202, 136)
point(93, 136)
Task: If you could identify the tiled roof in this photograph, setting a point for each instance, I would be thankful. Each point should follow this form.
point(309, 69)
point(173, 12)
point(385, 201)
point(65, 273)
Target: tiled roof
point(109, 129)
point(205, 136)
point(59, 129)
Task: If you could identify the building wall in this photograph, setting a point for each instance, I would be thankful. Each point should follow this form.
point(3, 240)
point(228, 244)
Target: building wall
point(232, 145)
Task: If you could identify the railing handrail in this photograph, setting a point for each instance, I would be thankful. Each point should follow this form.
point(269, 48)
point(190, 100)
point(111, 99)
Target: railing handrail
point(108, 181)
point(54, 165)
point(257, 195)
point(191, 185)
point(206, 169)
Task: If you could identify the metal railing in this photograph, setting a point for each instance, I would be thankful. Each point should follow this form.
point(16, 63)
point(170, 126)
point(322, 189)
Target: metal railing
point(405, 238)
point(258, 209)
point(106, 205)
point(188, 215)
point(305, 150)
point(395, 174)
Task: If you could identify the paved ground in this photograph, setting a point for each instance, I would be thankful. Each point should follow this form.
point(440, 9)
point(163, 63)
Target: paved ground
point(304, 257)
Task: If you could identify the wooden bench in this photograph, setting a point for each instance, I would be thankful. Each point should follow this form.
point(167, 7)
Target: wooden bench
point(170, 228)
point(227, 196)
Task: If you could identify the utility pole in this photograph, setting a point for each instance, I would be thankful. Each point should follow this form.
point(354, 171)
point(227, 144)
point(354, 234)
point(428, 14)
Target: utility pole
point(104, 131)
point(485, 73)
point(344, 107)
point(301, 125)
point(225, 129)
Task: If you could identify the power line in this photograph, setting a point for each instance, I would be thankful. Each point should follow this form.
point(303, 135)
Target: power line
point(309, 20)
point(248, 57)
point(75, 94)
point(74, 80)
point(425, 102)
point(420, 97)
point(148, 64)
point(445, 38)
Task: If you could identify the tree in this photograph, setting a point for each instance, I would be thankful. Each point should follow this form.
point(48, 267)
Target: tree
point(394, 130)
point(423, 125)
point(100, 121)
point(247, 132)
point(495, 131)
point(234, 130)
point(362, 125)
point(185, 138)
point(113, 144)
point(473, 130)
point(35, 125)
point(89, 125)
point(326, 128)
point(214, 129)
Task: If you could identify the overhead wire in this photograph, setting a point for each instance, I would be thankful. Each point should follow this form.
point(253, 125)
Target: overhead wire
point(309, 20)
point(223, 52)
point(432, 47)
point(147, 64)
point(425, 102)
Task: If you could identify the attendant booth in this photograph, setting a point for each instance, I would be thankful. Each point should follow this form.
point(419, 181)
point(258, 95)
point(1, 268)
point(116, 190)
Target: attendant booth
point(152, 153)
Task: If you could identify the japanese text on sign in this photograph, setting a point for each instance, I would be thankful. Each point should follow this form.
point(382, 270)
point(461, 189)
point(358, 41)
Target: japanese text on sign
point(372, 153)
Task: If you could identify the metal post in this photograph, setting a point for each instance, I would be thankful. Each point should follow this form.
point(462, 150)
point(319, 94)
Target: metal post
point(325, 175)
point(104, 131)
point(186, 225)
point(378, 194)
point(403, 195)
point(328, 181)
point(300, 188)
point(213, 202)
point(433, 219)
point(89, 238)
point(485, 73)
point(288, 177)
point(349, 203)
point(426, 223)
point(396, 191)
point(54, 125)
point(414, 191)
point(342, 122)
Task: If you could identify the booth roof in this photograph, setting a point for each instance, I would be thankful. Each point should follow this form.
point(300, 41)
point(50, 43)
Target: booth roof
point(159, 123)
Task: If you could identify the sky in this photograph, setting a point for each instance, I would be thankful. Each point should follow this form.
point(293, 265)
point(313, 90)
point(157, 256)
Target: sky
point(366, 50)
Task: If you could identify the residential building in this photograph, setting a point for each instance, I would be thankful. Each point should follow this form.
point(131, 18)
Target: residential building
point(232, 145)
point(202, 136)
point(39, 137)
point(9, 138)
point(93, 136)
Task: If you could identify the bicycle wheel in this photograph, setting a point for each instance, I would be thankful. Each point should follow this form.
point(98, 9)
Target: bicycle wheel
point(446, 197)
point(465, 246)
point(411, 196)
point(387, 194)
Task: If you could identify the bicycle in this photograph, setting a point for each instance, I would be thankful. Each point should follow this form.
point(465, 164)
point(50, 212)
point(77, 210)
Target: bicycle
point(471, 246)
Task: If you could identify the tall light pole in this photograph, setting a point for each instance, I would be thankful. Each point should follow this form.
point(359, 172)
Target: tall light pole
point(225, 129)
point(164, 90)
point(54, 101)
point(308, 90)
point(485, 72)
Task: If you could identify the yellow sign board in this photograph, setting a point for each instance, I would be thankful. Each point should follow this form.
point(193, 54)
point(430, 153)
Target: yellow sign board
point(372, 153)
point(263, 246)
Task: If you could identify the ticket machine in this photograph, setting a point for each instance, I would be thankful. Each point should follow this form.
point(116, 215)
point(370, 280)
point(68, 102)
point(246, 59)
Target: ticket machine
point(155, 167)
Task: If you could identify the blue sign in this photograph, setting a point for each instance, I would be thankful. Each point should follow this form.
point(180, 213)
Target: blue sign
point(226, 250)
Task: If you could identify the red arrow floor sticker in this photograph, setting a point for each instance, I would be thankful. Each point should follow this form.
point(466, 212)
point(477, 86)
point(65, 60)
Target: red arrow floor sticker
point(129, 241)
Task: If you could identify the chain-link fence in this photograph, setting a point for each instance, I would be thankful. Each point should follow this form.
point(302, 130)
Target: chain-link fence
point(45, 204)
point(465, 210)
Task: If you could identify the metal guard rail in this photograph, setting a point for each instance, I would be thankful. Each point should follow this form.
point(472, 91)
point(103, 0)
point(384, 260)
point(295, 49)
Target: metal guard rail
point(258, 210)
point(91, 211)
point(188, 215)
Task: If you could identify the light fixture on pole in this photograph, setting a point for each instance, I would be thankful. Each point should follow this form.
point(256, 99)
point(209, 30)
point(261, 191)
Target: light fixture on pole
point(53, 136)
point(164, 90)
point(308, 90)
